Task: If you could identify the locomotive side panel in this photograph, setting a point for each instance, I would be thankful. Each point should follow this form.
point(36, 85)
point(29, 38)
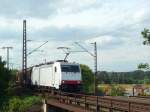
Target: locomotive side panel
point(57, 75)
point(35, 76)
point(46, 76)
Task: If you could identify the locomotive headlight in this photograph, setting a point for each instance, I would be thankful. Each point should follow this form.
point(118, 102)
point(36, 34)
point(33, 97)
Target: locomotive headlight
point(63, 82)
point(78, 82)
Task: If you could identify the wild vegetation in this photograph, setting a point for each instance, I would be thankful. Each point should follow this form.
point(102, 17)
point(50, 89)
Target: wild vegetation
point(87, 78)
point(18, 103)
point(10, 101)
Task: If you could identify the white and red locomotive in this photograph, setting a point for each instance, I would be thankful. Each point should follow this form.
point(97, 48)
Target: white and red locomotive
point(60, 75)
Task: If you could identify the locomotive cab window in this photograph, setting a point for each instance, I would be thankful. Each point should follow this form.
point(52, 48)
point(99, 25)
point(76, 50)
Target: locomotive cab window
point(55, 69)
point(70, 68)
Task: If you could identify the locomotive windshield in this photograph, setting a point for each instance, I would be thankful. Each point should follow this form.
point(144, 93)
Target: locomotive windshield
point(70, 68)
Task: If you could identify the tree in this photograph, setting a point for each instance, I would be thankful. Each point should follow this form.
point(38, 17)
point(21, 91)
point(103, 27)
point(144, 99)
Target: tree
point(103, 77)
point(146, 35)
point(87, 78)
point(4, 77)
point(144, 66)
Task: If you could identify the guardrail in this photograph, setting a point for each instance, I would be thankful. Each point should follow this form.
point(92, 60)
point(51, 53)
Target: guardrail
point(102, 103)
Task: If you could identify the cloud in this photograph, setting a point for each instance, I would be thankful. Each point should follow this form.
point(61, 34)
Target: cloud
point(114, 25)
point(42, 9)
point(64, 34)
point(27, 8)
point(106, 41)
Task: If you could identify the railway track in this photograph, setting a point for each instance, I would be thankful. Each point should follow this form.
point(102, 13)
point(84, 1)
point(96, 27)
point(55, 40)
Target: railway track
point(100, 103)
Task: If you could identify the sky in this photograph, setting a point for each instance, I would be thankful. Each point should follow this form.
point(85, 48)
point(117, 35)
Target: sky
point(115, 25)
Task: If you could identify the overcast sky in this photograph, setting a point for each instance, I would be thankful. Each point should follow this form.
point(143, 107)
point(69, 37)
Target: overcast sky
point(114, 24)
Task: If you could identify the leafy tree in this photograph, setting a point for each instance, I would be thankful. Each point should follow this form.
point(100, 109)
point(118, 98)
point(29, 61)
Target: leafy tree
point(103, 77)
point(146, 80)
point(144, 66)
point(87, 78)
point(146, 35)
point(5, 77)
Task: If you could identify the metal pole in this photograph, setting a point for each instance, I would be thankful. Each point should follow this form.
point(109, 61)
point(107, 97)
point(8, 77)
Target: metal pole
point(7, 58)
point(95, 63)
point(24, 56)
point(8, 48)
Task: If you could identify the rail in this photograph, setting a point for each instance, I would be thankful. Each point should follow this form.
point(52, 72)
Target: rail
point(101, 103)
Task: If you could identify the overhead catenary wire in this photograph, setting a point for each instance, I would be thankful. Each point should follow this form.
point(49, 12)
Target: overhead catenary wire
point(36, 48)
point(67, 51)
point(85, 50)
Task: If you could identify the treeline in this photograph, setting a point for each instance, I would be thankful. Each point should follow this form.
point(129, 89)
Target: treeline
point(135, 77)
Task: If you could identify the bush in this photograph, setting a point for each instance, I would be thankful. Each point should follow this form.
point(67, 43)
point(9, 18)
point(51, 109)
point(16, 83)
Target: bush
point(104, 89)
point(117, 91)
point(87, 78)
point(19, 104)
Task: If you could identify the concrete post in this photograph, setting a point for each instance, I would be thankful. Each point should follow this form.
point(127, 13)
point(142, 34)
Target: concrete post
point(45, 109)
